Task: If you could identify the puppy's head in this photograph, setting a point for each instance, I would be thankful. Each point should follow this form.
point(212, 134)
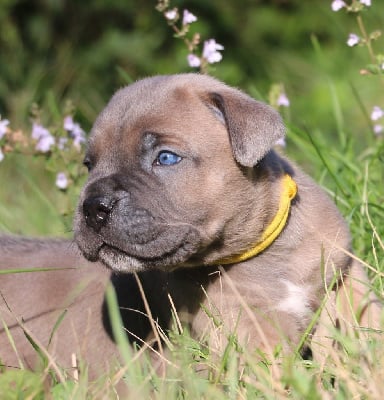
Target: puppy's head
point(171, 174)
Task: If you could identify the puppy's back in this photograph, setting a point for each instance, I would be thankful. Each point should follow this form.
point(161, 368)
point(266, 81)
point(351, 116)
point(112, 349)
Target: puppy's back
point(70, 287)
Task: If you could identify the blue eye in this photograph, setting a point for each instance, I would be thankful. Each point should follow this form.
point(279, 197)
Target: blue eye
point(167, 158)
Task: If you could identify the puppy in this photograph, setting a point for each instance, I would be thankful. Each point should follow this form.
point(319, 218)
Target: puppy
point(193, 211)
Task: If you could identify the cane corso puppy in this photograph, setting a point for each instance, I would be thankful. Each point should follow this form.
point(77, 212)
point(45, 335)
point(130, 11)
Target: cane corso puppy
point(193, 211)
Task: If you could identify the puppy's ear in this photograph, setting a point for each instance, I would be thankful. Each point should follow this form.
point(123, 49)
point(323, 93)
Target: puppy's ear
point(253, 127)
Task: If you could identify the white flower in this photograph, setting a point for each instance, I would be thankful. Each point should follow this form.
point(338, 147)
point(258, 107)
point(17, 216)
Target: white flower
point(337, 5)
point(377, 113)
point(1, 155)
point(61, 180)
point(283, 100)
point(366, 2)
point(210, 51)
point(280, 142)
point(3, 127)
point(378, 129)
point(188, 17)
point(353, 40)
point(193, 61)
point(171, 14)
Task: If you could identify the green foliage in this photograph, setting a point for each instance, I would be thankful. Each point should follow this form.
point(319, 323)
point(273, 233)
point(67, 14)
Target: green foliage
point(21, 385)
point(74, 48)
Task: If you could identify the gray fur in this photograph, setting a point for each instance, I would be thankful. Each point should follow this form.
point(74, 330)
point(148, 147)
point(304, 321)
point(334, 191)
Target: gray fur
point(171, 224)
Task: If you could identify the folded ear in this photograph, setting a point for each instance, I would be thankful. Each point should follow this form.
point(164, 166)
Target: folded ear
point(253, 127)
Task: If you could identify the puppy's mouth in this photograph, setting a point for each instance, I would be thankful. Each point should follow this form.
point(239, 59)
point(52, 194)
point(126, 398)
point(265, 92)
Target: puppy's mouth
point(169, 250)
point(120, 261)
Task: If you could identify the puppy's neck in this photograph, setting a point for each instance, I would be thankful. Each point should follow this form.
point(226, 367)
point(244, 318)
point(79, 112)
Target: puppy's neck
point(273, 230)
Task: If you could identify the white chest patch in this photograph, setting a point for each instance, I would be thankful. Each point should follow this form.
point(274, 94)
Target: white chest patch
point(297, 300)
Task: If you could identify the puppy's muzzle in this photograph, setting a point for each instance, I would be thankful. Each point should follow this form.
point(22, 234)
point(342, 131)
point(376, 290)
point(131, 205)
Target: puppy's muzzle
point(97, 210)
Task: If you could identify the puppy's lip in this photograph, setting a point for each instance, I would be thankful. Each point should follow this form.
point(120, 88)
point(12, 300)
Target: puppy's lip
point(131, 259)
point(119, 261)
point(140, 254)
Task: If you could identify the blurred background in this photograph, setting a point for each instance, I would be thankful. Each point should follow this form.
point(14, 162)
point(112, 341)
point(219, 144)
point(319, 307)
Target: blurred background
point(52, 51)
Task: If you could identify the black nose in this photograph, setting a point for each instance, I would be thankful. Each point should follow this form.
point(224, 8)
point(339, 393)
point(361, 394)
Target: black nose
point(96, 211)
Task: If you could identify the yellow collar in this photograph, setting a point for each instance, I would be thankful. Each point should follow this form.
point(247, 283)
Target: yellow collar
point(273, 229)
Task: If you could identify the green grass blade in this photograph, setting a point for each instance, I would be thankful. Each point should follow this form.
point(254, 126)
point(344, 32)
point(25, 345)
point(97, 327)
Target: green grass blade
point(12, 343)
point(56, 326)
point(117, 325)
point(22, 270)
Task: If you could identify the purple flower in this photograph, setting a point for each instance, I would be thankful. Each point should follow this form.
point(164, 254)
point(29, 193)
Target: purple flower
point(45, 143)
point(38, 131)
point(337, 5)
point(366, 2)
point(68, 123)
point(377, 113)
point(61, 180)
point(193, 61)
point(77, 142)
point(78, 136)
point(3, 127)
point(188, 17)
point(353, 40)
point(211, 51)
point(62, 143)
point(75, 131)
point(44, 138)
point(283, 100)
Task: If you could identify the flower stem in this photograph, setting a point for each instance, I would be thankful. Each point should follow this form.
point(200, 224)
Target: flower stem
point(368, 42)
point(366, 38)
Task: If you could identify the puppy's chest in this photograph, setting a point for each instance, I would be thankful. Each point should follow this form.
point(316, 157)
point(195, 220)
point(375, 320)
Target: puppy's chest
point(223, 299)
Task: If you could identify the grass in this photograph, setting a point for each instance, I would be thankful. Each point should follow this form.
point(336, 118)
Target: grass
point(352, 370)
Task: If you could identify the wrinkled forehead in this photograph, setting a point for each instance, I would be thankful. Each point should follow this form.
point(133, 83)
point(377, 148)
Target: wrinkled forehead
point(129, 105)
point(153, 103)
point(170, 106)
